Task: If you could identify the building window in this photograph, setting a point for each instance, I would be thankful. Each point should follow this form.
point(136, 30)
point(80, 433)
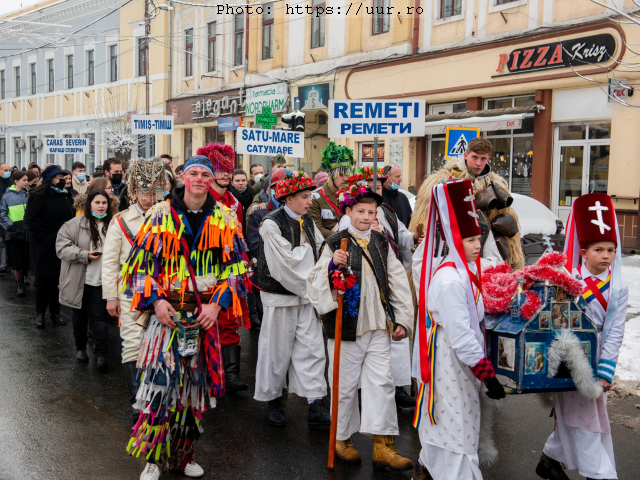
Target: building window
point(238, 37)
point(90, 67)
point(69, 158)
point(188, 143)
point(113, 63)
point(50, 157)
point(188, 47)
point(17, 81)
point(142, 146)
point(3, 148)
point(33, 78)
point(90, 158)
point(17, 153)
point(503, 2)
point(318, 24)
point(211, 135)
point(33, 152)
point(381, 19)
point(142, 57)
point(512, 152)
point(367, 151)
point(50, 75)
point(2, 85)
point(70, 71)
point(211, 47)
point(267, 32)
point(449, 8)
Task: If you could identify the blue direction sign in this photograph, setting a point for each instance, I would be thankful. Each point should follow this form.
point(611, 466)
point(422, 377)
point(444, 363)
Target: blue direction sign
point(457, 140)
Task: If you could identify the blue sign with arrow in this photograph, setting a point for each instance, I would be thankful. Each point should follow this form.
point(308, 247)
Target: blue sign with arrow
point(457, 140)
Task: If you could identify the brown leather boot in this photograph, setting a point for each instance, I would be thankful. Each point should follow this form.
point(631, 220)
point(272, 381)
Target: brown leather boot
point(385, 455)
point(346, 452)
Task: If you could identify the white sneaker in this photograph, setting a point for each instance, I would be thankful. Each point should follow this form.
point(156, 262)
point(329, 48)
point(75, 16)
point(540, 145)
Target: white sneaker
point(150, 472)
point(193, 470)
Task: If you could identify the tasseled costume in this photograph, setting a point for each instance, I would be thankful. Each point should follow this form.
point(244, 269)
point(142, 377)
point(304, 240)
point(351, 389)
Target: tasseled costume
point(174, 389)
point(457, 169)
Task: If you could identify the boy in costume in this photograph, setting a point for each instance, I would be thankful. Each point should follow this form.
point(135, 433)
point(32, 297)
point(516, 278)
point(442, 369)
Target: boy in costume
point(338, 162)
point(185, 265)
point(291, 335)
point(402, 242)
point(377, 303)
point(450, 355)
point(582, 434)
point(144, 184)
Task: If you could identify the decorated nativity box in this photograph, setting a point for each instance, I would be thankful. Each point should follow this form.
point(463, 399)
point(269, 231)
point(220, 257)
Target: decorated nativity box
point(540, 336)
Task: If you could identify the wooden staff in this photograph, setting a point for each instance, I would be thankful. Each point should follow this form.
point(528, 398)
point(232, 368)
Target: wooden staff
point(414, 384)
point(335, 388)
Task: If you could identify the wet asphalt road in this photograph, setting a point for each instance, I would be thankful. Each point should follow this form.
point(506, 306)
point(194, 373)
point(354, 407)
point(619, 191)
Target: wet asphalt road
point(63, 420)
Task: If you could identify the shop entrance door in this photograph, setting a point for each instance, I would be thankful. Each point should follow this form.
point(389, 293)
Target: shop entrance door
point(581, 164)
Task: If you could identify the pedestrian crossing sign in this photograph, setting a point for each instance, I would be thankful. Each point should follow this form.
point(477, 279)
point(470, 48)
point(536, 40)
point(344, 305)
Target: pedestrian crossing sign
point(457, 140)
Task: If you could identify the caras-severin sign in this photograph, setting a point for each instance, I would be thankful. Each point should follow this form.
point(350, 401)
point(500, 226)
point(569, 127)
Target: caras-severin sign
point(567, 53)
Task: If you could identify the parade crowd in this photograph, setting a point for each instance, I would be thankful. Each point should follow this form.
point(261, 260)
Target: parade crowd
point(182, 258)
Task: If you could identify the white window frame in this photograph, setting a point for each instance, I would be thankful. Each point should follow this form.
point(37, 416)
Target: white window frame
point(494, 7)
point(109, 72)
point(454, 18)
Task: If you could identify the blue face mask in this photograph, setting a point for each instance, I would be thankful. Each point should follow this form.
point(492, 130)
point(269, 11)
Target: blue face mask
point(393, 186)
point(100, 217)
point(6, 174)
point(166, 194)
point(81, 177)
point(275, 202)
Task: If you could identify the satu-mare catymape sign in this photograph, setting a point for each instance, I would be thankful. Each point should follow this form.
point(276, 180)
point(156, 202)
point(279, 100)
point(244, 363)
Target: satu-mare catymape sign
point(254, 141)
point(382, 118)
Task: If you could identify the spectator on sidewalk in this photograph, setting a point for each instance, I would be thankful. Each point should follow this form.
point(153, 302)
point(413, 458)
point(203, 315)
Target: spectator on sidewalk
point(97, 184)
point(49, 206)
point(167, 159)
point(79, 180)
point(12, 212)
point(239, 189)
point(5, 184)
point(79, 245)
point(114, 171)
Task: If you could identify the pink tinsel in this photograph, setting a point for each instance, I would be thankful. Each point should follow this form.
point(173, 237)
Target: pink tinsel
point(222, 156)
point(531, 306)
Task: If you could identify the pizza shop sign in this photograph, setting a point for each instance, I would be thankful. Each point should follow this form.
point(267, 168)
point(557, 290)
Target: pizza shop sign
point(567, 53)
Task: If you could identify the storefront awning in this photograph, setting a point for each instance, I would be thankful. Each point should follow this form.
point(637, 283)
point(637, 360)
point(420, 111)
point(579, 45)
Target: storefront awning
point(484, 120)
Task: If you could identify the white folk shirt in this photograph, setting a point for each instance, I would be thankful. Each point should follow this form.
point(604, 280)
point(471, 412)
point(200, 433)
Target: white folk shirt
point(371, 315)
point(289, 266)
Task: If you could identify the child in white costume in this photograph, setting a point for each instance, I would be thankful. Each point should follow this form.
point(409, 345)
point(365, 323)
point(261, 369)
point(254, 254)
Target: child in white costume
point(582, 436)
point(450, 356)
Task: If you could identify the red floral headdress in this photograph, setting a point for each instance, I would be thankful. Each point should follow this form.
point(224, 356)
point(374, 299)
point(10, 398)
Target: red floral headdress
point(294, 182)
point(222, 156)
point(365, 174)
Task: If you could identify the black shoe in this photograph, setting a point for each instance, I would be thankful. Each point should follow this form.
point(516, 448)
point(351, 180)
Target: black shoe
point(25, 281)
point(20, 289)
point(318, 416)
point(3, 270)
point(232, 382)
point(550, 469)
point(275, 413)
point(82, 357)
point(56, 320)
point(103, 365)
point(403, 399)
point(256, 323)
point(40, 320)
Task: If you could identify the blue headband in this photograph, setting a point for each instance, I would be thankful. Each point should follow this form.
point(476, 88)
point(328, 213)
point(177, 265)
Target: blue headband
point(198, 161)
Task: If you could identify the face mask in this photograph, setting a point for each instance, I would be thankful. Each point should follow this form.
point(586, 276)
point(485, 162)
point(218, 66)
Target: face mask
point(61, 183)
point(393, 186)
point(166, 194)
point(100, 217)
point(275, 202)
point(116, 178)
point(81, 177)
point(6, 174)
point(180, 184)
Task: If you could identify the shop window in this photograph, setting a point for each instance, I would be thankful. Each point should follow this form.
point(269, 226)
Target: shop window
point(142, 146)
point(211, 47)
point(436, 142)
point(598, 132)
point(90, 158)
point(188, 143)
point(188, 52)
point(3, 149)
point(68, 158)
point(267, 32)
point(381, 19)
point(450, 8)
point(17, 152)
point(572, 132)
point(33, 152)
point(512, 155)
point(366, 153)
point(318, 23)
point(50, 157)
point(211, 135)
point(238, 37)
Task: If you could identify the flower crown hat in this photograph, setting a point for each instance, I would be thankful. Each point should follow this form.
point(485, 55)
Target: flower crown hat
point(366, 174)
point(222, 157)
point(293, 182)
point(337, 160)
point(351, 193)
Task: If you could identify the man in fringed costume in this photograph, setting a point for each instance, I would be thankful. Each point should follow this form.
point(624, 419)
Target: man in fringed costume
point(223, 158)
point(185, 266)
point(145, 183)
point(338, 162)
point(493, 201)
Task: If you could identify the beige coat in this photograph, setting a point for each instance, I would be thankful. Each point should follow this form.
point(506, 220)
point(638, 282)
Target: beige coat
point(72, 247)
point(116, 250)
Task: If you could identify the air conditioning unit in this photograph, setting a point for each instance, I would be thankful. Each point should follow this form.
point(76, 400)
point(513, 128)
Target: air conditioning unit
point(20, 143)
point(36, 143)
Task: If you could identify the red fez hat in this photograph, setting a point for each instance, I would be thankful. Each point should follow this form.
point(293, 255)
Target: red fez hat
point(463, 201)
point(595, 219)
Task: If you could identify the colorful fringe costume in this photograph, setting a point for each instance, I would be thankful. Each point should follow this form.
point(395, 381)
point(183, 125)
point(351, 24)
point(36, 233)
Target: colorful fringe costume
point(173, 388)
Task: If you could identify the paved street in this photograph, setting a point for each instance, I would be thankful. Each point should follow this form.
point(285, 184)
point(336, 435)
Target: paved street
point(62, 420)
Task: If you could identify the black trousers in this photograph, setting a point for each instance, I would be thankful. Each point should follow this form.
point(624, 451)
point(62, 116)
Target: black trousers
point(47, 294)
point(93, 312)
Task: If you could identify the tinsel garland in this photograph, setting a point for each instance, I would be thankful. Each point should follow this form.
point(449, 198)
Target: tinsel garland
point(531, 306)
point(351, 300)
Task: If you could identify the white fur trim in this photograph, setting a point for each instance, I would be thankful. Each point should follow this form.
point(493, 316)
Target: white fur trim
point(566, 346)
point(487, 451)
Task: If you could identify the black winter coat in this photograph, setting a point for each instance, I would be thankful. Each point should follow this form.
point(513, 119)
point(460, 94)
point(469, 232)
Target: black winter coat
point(400, 204)
point(47, 211)
point(245, 198)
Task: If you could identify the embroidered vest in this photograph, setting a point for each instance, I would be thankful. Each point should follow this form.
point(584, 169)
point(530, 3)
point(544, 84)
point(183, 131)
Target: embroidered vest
point(392, 219)
point(290, 230)
point(377, 249)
